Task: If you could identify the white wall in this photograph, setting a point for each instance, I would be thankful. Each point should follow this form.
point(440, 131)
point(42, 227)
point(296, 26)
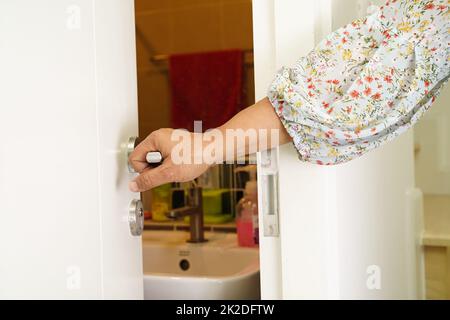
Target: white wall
point(432, 137)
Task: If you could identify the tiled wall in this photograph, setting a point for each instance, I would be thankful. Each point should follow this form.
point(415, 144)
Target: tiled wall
point(182, 26)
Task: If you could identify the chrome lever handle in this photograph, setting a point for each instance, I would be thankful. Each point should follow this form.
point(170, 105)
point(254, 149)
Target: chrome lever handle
point(154, 157)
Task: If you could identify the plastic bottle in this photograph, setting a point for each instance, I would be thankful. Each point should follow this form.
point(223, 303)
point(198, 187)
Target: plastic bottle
point(247, 211)
point(160, 203)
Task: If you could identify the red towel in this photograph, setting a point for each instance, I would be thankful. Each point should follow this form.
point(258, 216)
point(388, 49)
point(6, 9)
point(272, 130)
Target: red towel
point(207, 87)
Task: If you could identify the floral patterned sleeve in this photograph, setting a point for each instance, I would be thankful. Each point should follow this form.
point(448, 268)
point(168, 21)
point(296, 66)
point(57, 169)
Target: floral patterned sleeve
point(366, 83)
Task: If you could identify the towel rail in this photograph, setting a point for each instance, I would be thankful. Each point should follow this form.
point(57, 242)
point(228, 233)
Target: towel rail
point(161, 58)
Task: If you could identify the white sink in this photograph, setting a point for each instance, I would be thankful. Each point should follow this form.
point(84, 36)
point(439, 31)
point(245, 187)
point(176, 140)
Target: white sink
point(217, 269)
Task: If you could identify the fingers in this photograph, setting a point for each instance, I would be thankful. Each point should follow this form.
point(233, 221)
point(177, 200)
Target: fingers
point(137, 158)
point(154, 177)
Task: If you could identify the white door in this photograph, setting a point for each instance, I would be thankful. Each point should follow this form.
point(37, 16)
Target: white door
point(341, 232)
point(67, 107)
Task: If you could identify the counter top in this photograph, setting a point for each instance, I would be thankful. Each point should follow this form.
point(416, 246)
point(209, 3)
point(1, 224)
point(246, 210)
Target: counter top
point(435, 239)
point(436, 220)
point(181, 225)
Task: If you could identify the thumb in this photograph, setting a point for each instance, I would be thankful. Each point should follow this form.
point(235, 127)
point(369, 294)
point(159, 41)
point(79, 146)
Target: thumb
point(153, 177)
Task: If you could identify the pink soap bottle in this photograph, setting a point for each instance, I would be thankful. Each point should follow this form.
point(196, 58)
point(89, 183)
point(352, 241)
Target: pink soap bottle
point(247, 216)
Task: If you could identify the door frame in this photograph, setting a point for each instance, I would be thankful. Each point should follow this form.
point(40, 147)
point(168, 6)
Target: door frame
point(319, 222)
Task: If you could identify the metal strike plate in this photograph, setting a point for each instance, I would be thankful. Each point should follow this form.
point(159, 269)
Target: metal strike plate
point(268, 177)
point(136, 218)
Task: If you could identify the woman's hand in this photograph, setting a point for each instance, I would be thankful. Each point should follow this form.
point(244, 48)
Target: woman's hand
point(251, 126)
point(151, 177)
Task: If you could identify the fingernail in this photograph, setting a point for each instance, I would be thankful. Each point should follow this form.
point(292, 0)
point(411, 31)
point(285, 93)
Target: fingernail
point(133, 186)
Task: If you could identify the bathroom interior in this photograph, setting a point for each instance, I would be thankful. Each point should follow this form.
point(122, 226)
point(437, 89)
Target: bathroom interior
point(192, 46)
point(172, 37)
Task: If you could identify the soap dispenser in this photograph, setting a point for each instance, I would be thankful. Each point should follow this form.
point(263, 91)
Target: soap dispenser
point(247, 211)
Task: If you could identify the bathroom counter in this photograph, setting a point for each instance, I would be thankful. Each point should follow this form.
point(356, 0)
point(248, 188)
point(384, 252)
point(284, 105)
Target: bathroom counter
point(436, 239)
point(436, 246)
point(436, 221)
point(181, 225)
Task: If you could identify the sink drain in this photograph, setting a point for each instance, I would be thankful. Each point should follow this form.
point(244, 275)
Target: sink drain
point(184, 265)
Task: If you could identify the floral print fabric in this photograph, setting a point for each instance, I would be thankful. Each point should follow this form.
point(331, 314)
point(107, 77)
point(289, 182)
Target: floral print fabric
point(366, 83)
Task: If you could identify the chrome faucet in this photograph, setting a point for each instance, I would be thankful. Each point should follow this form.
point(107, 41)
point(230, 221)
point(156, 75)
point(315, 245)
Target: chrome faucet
point(193, 209)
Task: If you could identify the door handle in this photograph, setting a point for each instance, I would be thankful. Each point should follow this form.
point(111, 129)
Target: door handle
point(136, 217)
point(154, 157)
point(131, 145)
point(136, 209)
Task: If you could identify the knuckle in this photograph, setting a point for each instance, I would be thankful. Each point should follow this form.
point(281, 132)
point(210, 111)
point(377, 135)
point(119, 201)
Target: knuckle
point(169, 174)
point(145, 181)
point(155, 135)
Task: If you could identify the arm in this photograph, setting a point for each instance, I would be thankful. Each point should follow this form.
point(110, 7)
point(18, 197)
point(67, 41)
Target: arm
point(255, 126)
